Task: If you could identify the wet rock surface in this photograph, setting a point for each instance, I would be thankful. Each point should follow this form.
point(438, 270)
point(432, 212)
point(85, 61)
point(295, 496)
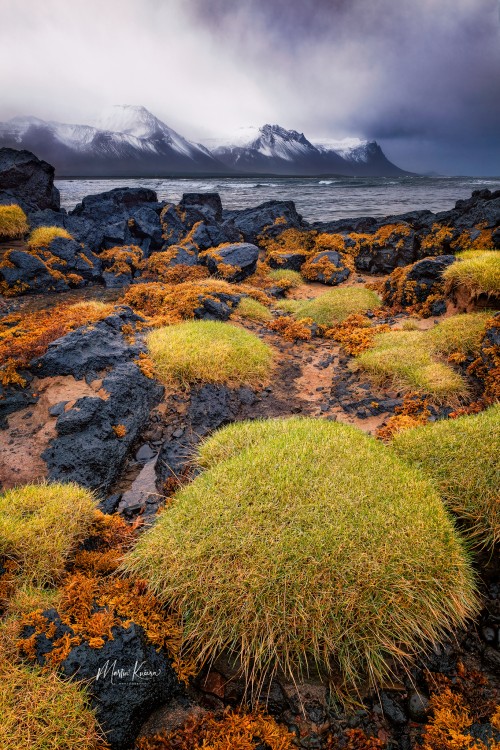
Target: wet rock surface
point(127, 678)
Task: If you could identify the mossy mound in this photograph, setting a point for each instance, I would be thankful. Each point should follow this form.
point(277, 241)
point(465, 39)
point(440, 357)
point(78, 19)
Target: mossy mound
point(209, 352)
point(285, 278)
point(253, 310)
point(334, 306)
point(417, 361)
point(476, 272)
point(42, 711)
point(306, 544)
point(13, 222)
point(461, 457)
point(41, 525)
point(43, 236)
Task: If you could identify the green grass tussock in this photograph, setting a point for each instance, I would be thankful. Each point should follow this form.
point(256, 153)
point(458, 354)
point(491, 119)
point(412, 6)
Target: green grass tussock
point(41, 525)
point(43, 236)
point(254, 310)
point(476, 271)
point(13, 222)
point(209, 352)
point(333, 306)
point(307, 544)
point(461, 456)
point(417, 360)
point(44, 712)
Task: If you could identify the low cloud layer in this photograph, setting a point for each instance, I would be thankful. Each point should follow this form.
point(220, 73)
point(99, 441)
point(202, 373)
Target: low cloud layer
point(423, 78)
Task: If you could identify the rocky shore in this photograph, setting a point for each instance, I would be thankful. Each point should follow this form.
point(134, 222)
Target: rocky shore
point(82, 401)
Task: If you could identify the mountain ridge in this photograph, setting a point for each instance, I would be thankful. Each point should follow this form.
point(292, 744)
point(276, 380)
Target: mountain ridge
point(129, 141)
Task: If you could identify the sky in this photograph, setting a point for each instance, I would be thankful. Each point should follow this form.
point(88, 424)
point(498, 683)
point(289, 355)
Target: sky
point(422, 77)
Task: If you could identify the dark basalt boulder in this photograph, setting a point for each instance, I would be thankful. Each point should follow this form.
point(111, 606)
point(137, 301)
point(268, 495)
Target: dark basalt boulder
point(88, 448)
point(483, 207)
point(216, 306)
point(101, 206)
point(76, 259)
point(127, 678)
point(328, 268)
point(95, 435)
point(29, 180)
point(399, 250)
point(88, 350)
point(195, 226)
point(15, 397)
point(209, 204)
point(242, 257)
point(211, 407)
point(28, 274)
point(251, 222)
point(287, 261)
point(421, 280)
point(82, 229)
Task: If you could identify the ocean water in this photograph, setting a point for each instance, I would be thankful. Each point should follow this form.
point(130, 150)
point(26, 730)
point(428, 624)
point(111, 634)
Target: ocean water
point(317, 199)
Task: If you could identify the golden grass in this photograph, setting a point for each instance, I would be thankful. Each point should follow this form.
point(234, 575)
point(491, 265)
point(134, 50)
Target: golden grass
point(13, 222)
point(461, 457)
point(416, 360)
point(333, 306)
point(307, 544)
point(208, 352)
point(43, 236)
point(477, 272)
point(253, 310)
point(41, 525)
point(44, 712)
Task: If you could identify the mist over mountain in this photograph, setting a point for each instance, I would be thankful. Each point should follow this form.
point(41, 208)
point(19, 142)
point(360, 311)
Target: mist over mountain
point(129, 141)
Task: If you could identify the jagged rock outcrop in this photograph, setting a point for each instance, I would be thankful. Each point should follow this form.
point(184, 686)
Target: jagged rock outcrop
point(27, 180)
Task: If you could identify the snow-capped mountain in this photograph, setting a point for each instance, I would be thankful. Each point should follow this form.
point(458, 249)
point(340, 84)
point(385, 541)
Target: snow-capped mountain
point(272, 149)
point(129, 141)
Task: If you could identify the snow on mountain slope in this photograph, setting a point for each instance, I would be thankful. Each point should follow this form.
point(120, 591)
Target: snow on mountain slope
point(347, 148)
point(129, 140)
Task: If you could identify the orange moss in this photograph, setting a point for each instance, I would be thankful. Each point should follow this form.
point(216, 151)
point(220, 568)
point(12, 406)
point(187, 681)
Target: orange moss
point(52, 265)
point(291, 329)
point(490, 374)
point(450, 725)
point(356, 333)
point(146, 365)
point(232, 730)
point(122, 259)
point(24, 337)
point(437, 241)
point(465, 241)
point(165, 304)
point(402, 294)
point(413, 412)
point(120, 430)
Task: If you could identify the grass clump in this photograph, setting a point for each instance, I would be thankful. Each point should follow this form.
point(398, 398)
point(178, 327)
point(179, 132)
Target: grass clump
point(477, 272)
point(461, 457)
point(41, 712)
point(41, 525)
point(209, 352)
point(13, 222)
point(43, 236)
point(334, 306)
point(307, 544)
point(418, 360)
point(253, 310)
point(285, 278)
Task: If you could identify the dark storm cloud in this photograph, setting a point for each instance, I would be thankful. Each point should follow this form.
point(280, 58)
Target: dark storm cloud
point(420, 76)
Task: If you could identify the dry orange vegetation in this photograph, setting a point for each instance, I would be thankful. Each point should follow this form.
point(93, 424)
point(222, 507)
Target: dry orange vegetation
point(291, 329)
point(233, 730)
point(356, 333)
point(24, 337)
